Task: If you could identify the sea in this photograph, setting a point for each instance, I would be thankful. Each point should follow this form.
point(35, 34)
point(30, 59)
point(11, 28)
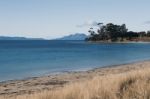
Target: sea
point(32, 58)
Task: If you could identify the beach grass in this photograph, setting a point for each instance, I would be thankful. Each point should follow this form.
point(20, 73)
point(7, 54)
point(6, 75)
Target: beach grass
point(134, 84)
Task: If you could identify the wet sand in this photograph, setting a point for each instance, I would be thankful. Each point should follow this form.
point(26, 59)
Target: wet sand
point(54, 82)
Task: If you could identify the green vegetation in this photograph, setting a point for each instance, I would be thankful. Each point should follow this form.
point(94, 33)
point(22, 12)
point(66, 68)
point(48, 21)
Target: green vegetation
point(113, 32)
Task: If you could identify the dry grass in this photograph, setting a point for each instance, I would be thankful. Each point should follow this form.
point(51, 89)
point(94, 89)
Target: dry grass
point(130, 85)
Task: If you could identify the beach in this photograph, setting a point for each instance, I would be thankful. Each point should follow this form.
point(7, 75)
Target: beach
point(57, 81)
point(75, 49)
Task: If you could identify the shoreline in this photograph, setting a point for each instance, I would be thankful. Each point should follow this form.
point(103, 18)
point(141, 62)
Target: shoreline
point(118, 42)
point(78, 70)
point(53, 82)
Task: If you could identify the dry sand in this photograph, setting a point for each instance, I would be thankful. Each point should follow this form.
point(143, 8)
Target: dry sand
point(54, 82)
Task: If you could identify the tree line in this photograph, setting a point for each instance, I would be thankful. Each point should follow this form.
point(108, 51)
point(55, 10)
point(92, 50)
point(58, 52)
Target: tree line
point(113, 32)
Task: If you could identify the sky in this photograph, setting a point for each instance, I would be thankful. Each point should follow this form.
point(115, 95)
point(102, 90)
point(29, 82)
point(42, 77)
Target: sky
point(55, 18)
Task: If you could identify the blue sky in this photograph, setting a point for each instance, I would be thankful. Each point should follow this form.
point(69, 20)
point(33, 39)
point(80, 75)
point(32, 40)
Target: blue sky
point(56, 18)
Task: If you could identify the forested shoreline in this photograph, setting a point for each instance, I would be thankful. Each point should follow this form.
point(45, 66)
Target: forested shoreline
point(113, 33)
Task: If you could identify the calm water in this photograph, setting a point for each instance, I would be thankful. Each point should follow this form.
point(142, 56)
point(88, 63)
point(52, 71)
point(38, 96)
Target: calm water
point(20, 59)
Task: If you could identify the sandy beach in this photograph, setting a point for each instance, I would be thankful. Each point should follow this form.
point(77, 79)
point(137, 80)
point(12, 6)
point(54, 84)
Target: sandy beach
point(54, 82)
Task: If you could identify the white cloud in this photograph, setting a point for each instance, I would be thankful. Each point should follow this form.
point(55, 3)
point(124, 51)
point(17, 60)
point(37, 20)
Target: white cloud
point(147, 22)
point(88, 24)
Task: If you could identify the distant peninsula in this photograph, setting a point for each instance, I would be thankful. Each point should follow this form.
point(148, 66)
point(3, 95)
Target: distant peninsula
point(18, 38)
point(76, 36)
point(116, 33)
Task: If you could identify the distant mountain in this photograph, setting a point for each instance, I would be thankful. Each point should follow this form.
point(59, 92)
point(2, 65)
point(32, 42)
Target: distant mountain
point(18, 38)
point(77, 36)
